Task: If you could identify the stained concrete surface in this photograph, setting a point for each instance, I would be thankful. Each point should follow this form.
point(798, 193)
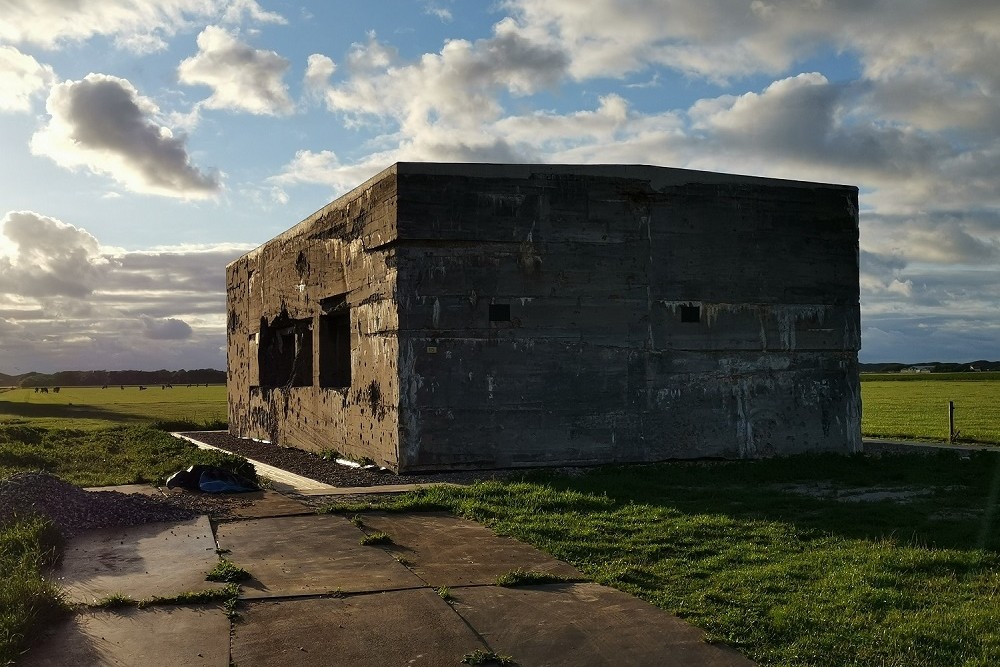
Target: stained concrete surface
point(499, 316)
point(177, 636)
point(414, 627)
point(309, 555)
point(585, 624)
point(445, 550)
point(261, 504)
point(383, 614)
point(156, 559)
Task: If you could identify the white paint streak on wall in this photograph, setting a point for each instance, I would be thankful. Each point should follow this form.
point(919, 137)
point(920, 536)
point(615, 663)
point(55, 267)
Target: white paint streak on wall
point(410, 383)
point(744, 425)
point(784, 318)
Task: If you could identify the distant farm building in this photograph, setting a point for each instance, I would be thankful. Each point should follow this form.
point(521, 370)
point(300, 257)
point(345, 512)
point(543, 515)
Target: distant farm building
point(446, 316)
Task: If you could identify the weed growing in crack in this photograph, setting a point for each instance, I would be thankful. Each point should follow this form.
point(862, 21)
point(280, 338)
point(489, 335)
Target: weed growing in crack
point(481, 657)
point(521, 577)
point(226, 570)
point(115, 601)
point(376, 538)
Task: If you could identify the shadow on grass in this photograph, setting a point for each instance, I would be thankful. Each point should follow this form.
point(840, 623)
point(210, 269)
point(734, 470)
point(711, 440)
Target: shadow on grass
point(56, 410)
point(940, 500)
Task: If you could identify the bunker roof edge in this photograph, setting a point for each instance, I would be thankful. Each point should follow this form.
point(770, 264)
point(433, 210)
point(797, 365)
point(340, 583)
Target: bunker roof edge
point(658, 177)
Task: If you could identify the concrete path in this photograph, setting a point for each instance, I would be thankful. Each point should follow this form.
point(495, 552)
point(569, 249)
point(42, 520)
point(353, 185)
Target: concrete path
point(318, 596)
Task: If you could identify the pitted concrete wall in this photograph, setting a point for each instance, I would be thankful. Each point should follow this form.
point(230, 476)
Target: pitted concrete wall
point(595, 364)
point(339, 250)
point(597, 265)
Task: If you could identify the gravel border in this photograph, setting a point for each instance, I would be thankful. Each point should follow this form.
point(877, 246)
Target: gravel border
point(330, 472)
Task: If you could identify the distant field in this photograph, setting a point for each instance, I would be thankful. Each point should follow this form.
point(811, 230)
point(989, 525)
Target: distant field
point(915, 405)
point(93, 407)
point(931, 377)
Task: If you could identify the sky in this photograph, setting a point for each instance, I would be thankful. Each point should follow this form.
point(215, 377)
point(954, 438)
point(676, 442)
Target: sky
point(147, 143)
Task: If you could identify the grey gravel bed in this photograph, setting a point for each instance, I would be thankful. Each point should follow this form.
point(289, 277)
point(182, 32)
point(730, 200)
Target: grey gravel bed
point(327, 471)
point(74, 510)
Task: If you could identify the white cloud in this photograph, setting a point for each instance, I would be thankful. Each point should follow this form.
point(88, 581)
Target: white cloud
point(717, 40)
point(140, 26)
point(48, 23)
point(714, 39)
point(48, 258)
point(21, 79)
point(242, 78)
point(440, 12)
point(68, 302)
point(239, 11)
point(103, 124)
point(456, 87)
point(312, 167)
point(167, 328)
point(557, 132)
point(141, 43)
point(319, 69)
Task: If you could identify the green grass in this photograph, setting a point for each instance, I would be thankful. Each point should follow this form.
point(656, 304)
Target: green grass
point(187, 408)
point(918, 409)
point(102, 457)
point(375, 538)
point(520, 577)
point(28, 547)
point(228, 596)
point(788, 577)
point(931, 377)
point(227, 571)
point(482, 657)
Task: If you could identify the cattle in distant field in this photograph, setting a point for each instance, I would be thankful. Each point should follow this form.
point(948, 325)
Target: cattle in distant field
point(141, 388)
point(44, 390)
point(55, 390)
point(104, 387)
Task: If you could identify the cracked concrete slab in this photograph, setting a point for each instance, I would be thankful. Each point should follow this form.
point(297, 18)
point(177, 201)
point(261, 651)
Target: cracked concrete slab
point(262, 504)
point(178, 636)
point(309, 555)
point(445, 550)
point(414, 627)
point(156, 559)
point(585, 624)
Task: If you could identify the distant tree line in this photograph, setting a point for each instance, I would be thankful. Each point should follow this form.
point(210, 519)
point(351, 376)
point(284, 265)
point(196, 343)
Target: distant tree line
point(934, 367)
point(101, 378)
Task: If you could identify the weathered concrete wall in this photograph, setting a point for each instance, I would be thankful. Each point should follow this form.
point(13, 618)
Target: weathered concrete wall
point(518, 315)
point(595, 364)
point(340, 250)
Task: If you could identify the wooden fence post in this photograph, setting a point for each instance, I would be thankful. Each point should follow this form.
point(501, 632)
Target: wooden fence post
point(951, 421)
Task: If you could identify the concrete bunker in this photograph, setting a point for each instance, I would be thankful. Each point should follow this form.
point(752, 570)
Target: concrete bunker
point(475, 316)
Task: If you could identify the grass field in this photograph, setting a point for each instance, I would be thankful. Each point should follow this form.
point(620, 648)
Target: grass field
point(93, 407)
point(773, 557)
point(918, 408)
point(912, 406)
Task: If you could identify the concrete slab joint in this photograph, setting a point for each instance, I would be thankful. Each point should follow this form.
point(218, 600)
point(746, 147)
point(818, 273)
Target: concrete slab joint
point(447, 316)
